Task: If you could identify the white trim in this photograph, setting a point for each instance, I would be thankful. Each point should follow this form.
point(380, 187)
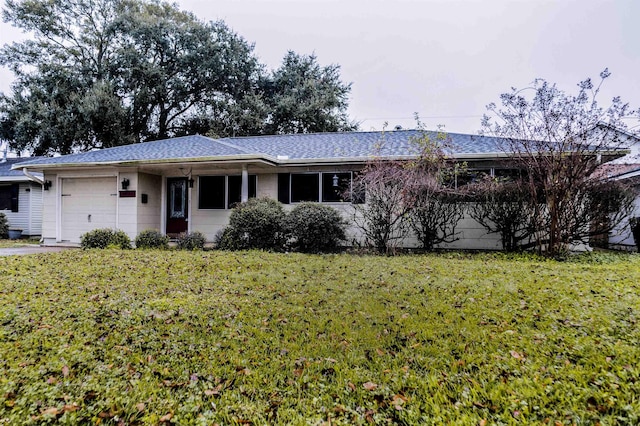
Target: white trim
point(189, 210)
point(14, 179)
point(30, 212)
point(263, 159)
point(117, 225)
point(58, 196)
point(163, 205)
point(244, 186)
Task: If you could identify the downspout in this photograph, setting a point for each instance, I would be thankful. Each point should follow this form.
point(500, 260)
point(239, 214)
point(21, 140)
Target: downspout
point(32, 177)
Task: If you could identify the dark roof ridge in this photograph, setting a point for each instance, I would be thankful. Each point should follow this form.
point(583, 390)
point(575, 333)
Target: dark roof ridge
point(344, 132)
point(230, 145)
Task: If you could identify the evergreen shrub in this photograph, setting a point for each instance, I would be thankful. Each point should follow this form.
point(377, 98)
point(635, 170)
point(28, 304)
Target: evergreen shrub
point(255, 224)
point(152, 239)
point(191, 241)
point(4, 226)
point(105, 238)
point(315, 228)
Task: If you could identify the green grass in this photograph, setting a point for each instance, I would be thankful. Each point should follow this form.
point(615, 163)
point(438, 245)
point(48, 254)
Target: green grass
point(152, 337)
point(18, 243)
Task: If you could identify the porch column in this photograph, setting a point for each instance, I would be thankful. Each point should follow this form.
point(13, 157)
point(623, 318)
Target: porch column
point(244, 192)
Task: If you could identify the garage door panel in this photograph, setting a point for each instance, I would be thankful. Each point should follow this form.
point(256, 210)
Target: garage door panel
point(87, 203)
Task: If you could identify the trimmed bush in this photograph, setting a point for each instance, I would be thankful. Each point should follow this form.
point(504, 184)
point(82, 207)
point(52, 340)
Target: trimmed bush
point(191, 241)
point(221, 239)
point(4, 226)
point(256, 224)
point(315, 228)
point(152, 239)
point(105, 238)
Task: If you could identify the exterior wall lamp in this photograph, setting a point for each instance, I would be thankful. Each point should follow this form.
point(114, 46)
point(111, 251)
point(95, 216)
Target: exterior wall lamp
point(47, 184)
point(335, 181)
point(125, 183)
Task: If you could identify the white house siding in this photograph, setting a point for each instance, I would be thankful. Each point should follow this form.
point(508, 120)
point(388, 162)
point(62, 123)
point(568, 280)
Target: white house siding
point(127, 207)
point(134, 217)
point(210, 222)
point(49, 208)
point(267, 185)
point(473, 236)
point(470, 235)
point(149, 213)
point(29, 214)
point(35, 209)
point(207, 221)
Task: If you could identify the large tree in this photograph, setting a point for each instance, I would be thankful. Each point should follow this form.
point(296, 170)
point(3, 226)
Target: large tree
point(100, 73)
point(559, 140)
point(305, 97)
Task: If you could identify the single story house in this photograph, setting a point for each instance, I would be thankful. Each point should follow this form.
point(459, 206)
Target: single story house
point(21, 197)
point(190, 183)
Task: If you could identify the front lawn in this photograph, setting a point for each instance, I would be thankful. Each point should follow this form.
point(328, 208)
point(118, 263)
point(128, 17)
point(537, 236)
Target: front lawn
point(5, 243)
point(153, 337)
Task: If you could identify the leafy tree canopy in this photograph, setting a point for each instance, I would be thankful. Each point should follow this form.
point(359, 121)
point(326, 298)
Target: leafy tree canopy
point(101, 73)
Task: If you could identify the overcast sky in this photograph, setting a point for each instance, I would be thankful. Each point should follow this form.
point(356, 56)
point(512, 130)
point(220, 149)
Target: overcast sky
point(444, 59)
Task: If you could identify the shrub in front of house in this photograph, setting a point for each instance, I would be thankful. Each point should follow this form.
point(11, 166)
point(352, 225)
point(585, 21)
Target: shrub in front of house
point(256, 224)
point(152, 239)
point(315, 228)
point(221, 239)
point(191, 241)
point(4, 226)
point(105, 238)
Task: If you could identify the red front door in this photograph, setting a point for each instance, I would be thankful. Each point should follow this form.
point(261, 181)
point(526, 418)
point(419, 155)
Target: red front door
point(177, 202)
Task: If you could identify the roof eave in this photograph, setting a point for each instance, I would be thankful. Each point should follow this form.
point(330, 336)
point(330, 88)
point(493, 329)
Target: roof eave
point(162, 161)
point(362, 160)
point(14, 179)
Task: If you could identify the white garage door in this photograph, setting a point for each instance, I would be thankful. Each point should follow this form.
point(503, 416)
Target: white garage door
point(87, 203)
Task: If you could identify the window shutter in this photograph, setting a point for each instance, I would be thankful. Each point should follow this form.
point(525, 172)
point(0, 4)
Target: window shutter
point(15, 191)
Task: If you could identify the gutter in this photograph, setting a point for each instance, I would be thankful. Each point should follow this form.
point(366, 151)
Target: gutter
point(162, 161)
point(32, 177)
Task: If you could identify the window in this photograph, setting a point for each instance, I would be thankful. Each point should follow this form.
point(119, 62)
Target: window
point(305, 187)
point(471, 176)
point(220, 192)
point(211, 193)
point(235, 189)
point(9, 197)
point(509, 174)
point(335, 186)
point(330, 187)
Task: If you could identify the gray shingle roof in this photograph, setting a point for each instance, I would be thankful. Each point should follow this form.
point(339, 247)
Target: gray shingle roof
point(187, 147)
point(355, 146)
point(6, 172)
point(359, 145)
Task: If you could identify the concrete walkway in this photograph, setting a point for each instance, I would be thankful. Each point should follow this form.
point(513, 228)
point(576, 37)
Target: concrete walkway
point(30, 249)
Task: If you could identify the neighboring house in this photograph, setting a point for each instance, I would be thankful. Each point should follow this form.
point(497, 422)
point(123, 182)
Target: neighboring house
point(190, 183)
point(627, 169)
point(21, 198)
